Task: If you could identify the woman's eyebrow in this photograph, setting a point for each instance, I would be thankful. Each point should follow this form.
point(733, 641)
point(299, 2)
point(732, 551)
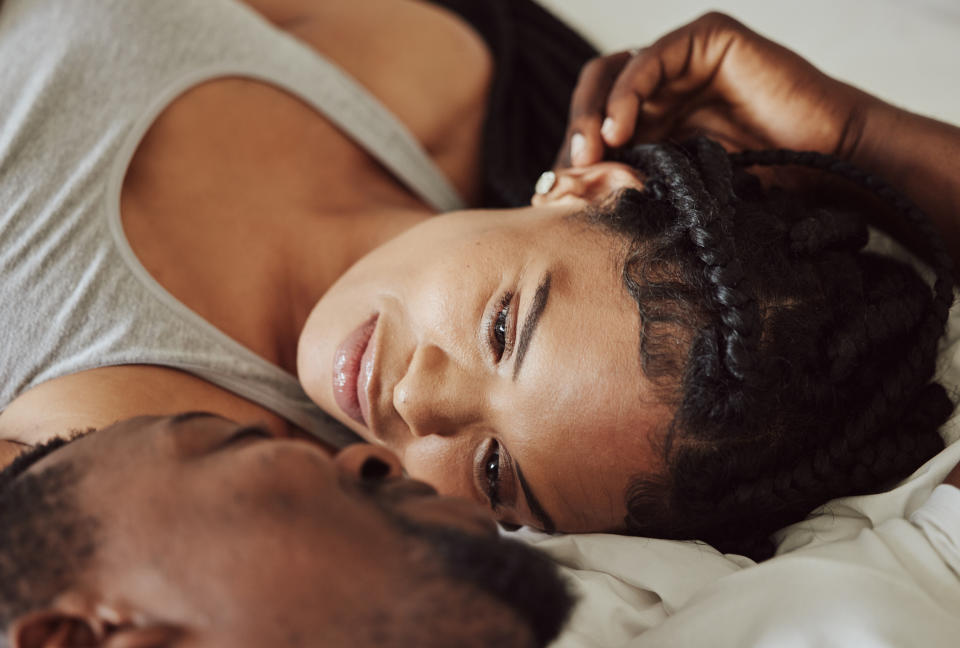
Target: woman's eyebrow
point(533, 318)
point(546, 522)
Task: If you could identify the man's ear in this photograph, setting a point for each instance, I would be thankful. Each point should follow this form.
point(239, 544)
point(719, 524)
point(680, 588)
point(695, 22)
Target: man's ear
point(51, 629)
point(58, 628)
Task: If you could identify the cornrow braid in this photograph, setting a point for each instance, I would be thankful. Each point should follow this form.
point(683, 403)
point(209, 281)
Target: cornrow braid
point(705, 204)
point(799, 364)
point(942, 263)
point(826, 229)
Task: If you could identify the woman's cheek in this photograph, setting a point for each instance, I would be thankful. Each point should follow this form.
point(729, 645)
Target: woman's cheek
point(441, 461)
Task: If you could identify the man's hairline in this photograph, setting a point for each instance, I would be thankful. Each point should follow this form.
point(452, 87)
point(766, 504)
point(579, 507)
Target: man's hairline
point(45, 460)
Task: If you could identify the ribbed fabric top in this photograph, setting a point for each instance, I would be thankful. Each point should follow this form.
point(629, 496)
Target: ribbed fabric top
point(82, 82)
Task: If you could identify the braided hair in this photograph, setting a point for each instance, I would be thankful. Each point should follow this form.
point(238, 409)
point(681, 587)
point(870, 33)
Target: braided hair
point(798, 365)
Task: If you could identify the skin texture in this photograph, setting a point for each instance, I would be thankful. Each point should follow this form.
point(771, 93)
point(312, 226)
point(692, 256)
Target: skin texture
point(713, 75)
point(9, 451)
point(577, 418)
point(215, 534)
point(252, 246)
point(246, 204)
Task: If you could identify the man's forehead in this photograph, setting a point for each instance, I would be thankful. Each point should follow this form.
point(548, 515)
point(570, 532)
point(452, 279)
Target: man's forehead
point(96, 446)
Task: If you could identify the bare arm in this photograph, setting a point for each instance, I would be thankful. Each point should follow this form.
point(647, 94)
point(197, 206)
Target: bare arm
point(919, 156)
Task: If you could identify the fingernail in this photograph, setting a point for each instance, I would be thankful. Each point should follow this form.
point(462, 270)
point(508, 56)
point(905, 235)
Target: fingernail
point(607, 129)
point(578, 145)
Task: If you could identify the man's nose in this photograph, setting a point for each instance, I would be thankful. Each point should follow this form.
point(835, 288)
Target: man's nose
point(438, 395)
point(368, 463)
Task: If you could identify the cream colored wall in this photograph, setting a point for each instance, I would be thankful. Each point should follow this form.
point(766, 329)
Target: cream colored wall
point(906, 51)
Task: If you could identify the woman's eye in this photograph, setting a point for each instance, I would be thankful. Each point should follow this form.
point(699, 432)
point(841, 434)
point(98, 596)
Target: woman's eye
point(498, 331)
point(491, 471)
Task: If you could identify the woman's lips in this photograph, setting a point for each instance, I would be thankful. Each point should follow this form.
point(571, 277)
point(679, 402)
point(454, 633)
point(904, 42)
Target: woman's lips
point(352, 370)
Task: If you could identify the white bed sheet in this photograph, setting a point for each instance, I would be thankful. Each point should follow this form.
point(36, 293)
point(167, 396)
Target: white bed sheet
point(907, 53)
point(629, 585)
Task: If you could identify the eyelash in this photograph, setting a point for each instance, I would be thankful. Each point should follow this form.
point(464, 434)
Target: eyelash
point(492, 483)
point(500, 341)
point(244, 433)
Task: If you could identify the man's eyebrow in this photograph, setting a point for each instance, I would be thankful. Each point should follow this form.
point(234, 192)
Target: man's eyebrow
point(189, 416)
point(533, 318)
point(546, 522)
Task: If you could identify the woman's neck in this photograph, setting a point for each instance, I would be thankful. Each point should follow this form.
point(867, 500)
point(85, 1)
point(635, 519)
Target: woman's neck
point(248, 231)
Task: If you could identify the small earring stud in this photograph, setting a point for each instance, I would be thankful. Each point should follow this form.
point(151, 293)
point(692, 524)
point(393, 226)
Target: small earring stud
point(545, 183)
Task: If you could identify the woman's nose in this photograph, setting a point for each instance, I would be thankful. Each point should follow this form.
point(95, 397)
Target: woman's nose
point(437, 395)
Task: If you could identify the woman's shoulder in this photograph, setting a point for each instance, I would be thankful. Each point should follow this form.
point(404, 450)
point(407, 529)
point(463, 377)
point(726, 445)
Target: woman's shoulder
point(425, 63)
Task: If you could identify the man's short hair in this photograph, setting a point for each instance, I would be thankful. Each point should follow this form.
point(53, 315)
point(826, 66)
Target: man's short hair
point(45, 539)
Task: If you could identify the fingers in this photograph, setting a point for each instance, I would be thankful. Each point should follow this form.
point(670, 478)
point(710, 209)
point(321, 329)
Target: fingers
point(677, 64)
point(584, 144)
point(637, 81)
point(611, 91)
point(614, 91)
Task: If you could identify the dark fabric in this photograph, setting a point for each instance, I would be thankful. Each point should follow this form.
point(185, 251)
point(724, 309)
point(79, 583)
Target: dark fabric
point(537, 60)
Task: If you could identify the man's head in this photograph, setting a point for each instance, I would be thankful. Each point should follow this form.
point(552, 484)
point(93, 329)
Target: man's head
point(195, 529)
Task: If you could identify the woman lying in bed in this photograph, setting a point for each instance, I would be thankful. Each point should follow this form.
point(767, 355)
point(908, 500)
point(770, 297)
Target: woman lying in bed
point(657, 345)
point(779, 365)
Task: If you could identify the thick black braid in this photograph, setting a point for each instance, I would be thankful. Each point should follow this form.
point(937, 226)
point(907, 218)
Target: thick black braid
point(942, 263)
point(894, 308)
point(537, 59)
point(833, 396)
point(895, 316)
point(706, 208)
point(895, 453)
point(826, 229)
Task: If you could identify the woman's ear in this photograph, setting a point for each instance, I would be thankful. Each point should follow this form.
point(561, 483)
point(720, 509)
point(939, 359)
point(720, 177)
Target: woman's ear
point(590, 183)
point(104, 627)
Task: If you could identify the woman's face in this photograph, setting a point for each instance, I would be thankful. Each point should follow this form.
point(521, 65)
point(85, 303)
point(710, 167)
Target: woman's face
point(496, 353)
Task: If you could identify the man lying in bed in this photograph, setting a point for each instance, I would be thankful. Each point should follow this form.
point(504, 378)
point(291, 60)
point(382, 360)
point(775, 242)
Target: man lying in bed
point(192, 530)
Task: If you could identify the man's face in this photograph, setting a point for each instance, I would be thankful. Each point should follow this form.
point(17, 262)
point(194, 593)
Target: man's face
point(248, 540)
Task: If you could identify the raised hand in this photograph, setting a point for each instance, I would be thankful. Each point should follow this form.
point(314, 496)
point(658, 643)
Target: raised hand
point(713, 76)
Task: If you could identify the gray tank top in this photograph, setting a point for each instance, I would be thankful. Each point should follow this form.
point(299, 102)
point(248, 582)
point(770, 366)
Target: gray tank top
point(81, 81)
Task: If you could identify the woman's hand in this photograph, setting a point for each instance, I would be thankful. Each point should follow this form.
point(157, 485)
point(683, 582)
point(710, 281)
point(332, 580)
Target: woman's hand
point(713, 76)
